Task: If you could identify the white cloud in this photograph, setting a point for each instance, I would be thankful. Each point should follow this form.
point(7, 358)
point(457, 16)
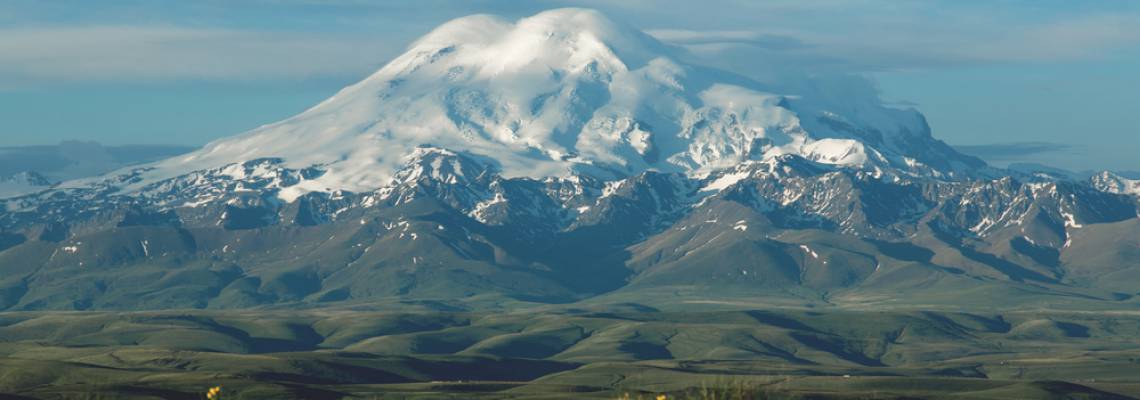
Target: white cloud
point(898, 44)
point(134, 53)
point(753, 38)
point(1065, 40)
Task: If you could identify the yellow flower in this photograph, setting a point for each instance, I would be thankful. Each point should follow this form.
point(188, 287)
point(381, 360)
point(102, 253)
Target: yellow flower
point(214, 393)
point(662, 397)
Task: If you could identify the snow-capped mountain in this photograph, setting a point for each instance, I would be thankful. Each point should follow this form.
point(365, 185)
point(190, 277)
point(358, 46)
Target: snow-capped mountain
point(1114, 183)
point(559, 157)
point(568, 92)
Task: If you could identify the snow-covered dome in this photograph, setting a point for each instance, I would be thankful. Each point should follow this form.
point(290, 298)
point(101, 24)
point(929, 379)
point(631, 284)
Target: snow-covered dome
point(567, 92)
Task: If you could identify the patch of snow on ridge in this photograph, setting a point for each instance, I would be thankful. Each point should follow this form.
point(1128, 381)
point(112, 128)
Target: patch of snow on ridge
point(837, 151)
point(808, 250)
point(1070, 220)
point(724, 181)
point(479, 213)
point(1112, 183)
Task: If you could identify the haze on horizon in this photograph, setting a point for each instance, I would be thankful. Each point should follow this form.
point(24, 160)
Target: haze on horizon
point(1026, 81)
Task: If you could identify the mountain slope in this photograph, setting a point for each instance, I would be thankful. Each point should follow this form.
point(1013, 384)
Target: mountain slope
point(566, 158)
point(22, 183)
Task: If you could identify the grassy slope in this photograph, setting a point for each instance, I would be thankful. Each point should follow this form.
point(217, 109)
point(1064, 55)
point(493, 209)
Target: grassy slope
point(591, 353)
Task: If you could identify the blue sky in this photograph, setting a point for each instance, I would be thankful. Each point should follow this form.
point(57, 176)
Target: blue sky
point(1045, 80)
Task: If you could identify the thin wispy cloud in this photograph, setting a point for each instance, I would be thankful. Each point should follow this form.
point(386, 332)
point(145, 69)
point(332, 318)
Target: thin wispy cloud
point(1015, 151)
point(148, 53)
point(750, 38)
point(351, 37)
point(902, 48)
point(1072, 39)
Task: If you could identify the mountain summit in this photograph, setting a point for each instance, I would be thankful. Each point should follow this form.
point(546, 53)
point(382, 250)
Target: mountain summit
point(569, 92)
